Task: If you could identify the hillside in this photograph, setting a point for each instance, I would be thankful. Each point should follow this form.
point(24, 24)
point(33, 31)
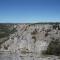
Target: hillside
point(30, 42)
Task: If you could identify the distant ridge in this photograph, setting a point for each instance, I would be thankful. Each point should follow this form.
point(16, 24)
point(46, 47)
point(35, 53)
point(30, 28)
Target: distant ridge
point(35, 23)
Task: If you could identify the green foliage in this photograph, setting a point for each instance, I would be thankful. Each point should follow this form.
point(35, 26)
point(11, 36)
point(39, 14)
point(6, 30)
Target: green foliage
point(5, 31)
point(24, 50)
point(53, 48)
point(46, 34)
point(13, 30)
point(34, 37)
point(6, 47)
point(34, 32)
point(4, 35)
point(56, 26)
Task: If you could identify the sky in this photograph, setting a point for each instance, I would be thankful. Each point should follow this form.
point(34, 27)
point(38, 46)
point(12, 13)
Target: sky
point(29, 11)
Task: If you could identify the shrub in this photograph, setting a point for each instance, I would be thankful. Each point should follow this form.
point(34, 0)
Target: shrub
point(6, 47)
point(55, 26)
point(33, 37)
point(53, 48)
point(46, 34)
point(34, 32)
point(48, 30)
point(5, 31)
point(24, 51)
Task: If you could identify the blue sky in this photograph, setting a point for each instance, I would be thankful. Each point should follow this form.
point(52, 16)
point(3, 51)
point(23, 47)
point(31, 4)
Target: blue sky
point(23, 11)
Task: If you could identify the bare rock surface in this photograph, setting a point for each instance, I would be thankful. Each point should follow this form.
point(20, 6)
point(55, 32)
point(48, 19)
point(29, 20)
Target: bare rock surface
point(28, 42)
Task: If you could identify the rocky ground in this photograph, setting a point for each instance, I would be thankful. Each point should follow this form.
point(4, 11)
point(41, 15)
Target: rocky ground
point(28, 42)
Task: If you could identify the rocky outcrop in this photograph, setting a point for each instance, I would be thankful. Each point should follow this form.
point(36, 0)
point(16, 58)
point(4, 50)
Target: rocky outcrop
point(28, 42)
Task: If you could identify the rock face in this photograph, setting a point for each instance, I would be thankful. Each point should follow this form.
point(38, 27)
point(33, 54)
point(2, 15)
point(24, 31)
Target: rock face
point(28, 42)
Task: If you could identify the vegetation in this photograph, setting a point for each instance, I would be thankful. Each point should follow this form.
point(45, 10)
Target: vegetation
point(34, 37)
point(46, 34)
point(5, 31)
point(24, 50)
point(34, 32)
point(56, 26)
point(53, 48)
point(6, 47)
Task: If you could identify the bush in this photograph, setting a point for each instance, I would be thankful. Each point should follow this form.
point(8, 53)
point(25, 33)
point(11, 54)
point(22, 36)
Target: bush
point(33, 37)
point(34, 32)
point(56, 26)
point(53, 48)
point(6, 47)
point(5, 31)
point(46, 34)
